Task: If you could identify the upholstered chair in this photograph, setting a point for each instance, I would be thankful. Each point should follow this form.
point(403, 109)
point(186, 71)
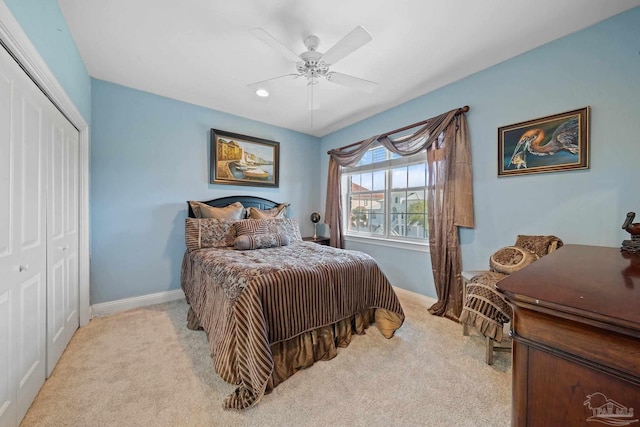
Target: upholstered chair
point(485, 308)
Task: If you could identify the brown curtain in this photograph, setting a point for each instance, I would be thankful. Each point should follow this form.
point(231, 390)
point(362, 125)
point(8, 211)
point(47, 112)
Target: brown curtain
point(449, 200)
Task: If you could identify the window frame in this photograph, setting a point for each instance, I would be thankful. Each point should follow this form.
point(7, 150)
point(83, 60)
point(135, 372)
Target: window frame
point(391, 162)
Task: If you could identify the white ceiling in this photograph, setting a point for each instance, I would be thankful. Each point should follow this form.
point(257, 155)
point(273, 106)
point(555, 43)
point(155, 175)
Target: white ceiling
point(201, 51)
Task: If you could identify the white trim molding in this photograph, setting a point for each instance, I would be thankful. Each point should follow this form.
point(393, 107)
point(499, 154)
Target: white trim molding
point(20, 47)
point(112, 307)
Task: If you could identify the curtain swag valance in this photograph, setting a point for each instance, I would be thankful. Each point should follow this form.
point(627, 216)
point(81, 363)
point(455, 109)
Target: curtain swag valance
point(449, 198)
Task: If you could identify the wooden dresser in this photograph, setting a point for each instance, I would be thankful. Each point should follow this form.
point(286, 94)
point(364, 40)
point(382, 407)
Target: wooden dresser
point(576, 333)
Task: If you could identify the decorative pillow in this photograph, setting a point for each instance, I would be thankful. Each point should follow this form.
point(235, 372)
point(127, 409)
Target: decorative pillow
point(279, 211)
point(233, 211)
point(510, 259)
point(209, 233)
point(250, 226)
point(286, 226)
point(260, 241)
point(539, 245)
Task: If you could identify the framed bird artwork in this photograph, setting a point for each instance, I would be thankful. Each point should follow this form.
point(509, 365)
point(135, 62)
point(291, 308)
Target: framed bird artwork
point(549, 144)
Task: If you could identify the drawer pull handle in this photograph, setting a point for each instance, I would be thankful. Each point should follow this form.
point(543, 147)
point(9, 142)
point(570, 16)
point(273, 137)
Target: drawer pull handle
point(23, 268)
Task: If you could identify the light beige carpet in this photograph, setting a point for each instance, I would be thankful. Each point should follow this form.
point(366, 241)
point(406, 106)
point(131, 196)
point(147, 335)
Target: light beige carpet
point(145, 368)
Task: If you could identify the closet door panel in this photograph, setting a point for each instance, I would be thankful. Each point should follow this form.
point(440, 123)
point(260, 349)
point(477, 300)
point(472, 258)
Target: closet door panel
point(30, 145)
point(8, 258)
point(23, 251)
point(7, 389)
point(72, 229)
point(72, 203)
point(30, 355)
point(62, 236)
point(6, 169)
point(55, 230)
point(30, 193)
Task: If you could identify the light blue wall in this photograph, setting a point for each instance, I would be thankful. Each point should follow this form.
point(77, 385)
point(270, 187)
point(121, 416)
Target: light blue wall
point(597, 67)
point(149, 155)
point(45, 26)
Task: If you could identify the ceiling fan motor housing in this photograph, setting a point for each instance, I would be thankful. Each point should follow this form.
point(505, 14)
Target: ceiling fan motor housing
point(312, 65)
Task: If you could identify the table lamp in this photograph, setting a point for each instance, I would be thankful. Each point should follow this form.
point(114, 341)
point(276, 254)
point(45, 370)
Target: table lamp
point(315, 219)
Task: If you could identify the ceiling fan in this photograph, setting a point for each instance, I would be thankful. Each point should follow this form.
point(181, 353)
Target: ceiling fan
point(313, 64)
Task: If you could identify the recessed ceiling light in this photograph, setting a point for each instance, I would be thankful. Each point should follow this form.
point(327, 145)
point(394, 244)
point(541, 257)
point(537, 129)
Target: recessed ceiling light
point(262, 92)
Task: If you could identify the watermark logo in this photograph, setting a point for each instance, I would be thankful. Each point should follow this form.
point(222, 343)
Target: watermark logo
point(608, 411)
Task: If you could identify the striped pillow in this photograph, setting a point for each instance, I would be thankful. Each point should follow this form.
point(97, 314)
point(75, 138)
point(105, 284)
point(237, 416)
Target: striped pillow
point(250, 226)
point(260, 241)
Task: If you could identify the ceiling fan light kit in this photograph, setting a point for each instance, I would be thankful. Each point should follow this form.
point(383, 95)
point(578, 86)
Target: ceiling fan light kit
point(313, 64)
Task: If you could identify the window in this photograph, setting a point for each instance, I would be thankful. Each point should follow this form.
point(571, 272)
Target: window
point(385, 196)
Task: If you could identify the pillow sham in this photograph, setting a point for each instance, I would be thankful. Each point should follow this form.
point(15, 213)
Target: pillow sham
point(286, 226)
point(260, 241)
point(279, 211)
point(234, 211)
point(209, 233)
point(511, 259)
point(250, 226)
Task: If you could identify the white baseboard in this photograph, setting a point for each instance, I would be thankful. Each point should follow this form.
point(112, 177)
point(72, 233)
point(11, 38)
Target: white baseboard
point(111, 307)
point(415, 297)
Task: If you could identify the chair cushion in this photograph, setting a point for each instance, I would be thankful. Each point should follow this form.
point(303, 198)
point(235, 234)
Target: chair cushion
point(539, 245)
point(510, 259)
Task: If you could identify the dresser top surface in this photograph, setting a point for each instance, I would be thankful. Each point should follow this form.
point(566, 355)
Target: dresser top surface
point(596, 282)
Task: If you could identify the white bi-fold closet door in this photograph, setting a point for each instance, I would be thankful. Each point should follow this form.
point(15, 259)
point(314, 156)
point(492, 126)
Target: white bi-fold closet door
point(38, 238)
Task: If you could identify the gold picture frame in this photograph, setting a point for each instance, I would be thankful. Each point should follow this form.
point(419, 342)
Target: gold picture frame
point(555, 143)
point(244, 160)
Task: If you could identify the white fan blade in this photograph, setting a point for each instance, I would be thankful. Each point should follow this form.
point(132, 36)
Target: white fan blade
point(350, 81)
point(271, 41)
point(264, 83)
point(357, 38)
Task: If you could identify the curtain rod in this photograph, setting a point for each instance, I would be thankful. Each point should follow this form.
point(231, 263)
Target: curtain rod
point(460, 111)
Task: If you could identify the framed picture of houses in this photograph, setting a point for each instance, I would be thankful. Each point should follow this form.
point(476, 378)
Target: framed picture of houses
point(244, 160)
point(559, 142)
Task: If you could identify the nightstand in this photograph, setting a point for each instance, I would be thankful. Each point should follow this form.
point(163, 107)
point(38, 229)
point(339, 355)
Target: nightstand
point(319, 240)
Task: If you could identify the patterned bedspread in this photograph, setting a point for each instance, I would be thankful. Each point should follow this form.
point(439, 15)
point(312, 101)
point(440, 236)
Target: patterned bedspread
point(247, 300)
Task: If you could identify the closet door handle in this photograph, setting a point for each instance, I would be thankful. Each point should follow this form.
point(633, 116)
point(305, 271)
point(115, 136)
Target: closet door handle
point(23, 268)
point(64, 248)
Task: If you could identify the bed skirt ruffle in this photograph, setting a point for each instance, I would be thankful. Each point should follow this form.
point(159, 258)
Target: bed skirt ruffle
point(304, 350)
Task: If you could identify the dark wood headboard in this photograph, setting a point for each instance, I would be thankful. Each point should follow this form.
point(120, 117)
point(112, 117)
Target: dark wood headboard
point(247, 202)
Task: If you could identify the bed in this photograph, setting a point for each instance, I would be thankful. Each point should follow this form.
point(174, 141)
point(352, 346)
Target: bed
point(269, 302)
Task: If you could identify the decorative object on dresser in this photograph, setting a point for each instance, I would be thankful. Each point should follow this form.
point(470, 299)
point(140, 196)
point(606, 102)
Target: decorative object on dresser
point(484, 308)
point(576, 338)
point(275, 304)
point(315, 219)
point(243, 160)
point(632, 245)
point(548, 144)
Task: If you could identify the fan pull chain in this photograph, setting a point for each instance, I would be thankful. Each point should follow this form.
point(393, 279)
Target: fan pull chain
point(310, 85)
